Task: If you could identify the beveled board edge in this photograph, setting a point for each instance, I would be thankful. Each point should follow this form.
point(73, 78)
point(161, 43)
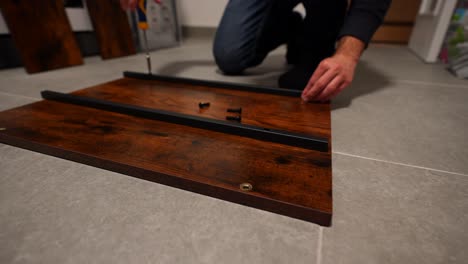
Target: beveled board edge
point(239, 197)
point(214, 84)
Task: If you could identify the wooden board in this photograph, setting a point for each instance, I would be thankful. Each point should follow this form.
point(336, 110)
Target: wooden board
point(393, 34)
point(287, 180)
point(41, 33)
point(398, 23)
point(112, 30)
point(402, 11)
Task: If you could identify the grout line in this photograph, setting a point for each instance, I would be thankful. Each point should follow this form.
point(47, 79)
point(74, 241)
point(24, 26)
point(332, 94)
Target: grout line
point(319, 245)
point(401, 164)
point(430, 83)
point(19, 95)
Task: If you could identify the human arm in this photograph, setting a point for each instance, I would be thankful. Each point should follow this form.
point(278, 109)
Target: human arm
point(335, 73)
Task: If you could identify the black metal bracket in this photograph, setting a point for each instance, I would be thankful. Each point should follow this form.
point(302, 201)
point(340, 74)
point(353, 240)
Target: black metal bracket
point(264, 134)
point(214, 84)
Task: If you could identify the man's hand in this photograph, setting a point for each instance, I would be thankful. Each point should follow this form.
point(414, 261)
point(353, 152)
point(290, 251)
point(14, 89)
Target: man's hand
point(334, 74)
point(131, 4)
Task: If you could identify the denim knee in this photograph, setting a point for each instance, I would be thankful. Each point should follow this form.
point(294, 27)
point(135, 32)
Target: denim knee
point(229, 62)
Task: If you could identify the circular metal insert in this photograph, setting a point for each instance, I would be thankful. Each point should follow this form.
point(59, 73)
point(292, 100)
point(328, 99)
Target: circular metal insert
point(246, 187)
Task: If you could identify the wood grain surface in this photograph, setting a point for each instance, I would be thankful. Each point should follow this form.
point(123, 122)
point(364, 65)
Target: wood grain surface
point(263, 110)
point(42, 34)
point(112, 30)
point(287, 180)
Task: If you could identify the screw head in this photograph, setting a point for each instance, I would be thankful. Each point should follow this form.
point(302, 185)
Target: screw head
point(246, 187)
point(203, 104)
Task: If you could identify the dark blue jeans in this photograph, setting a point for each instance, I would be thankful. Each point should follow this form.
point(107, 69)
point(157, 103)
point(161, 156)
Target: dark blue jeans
point(250, 29)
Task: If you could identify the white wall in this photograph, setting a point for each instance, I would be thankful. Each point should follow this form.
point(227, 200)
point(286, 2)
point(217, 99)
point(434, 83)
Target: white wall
point(206, 13)
point(430, 29)
point(78, 17)
point(201, 13)
point(195, 13)
point(3, 26)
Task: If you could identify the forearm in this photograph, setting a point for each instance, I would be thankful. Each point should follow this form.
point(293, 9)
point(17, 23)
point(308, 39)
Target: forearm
point(350, 47)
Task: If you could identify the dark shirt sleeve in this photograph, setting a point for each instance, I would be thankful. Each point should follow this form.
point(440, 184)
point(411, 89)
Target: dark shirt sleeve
point(363, 18)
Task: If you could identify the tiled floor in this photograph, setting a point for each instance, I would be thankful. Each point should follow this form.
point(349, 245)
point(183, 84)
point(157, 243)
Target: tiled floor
point(400, 143)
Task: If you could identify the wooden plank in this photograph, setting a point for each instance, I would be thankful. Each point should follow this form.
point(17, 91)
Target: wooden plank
point(398, 23)
point(112, 30)
point(227, 127)
point(402, 11)
point(287, 180)
point(41, 33)
point(263, 110)
point(393, 34)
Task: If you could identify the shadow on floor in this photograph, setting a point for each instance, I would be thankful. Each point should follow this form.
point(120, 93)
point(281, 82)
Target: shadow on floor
point(274, 62)
point(176, 67)
point(265, 74)
point(367, 80)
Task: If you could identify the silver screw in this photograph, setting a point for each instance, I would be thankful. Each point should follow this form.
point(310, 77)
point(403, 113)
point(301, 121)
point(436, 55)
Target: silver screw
point(246, 187)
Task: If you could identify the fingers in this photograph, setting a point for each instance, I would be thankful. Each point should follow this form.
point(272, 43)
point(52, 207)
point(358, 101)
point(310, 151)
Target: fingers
point(321, 69)
point(341, 88)
point(331, 89)
point(316, 76)
point(319, 85)
point(331, 77)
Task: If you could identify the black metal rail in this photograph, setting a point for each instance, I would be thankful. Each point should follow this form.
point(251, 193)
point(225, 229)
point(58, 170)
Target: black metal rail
point(264, 134)
point(214, 84)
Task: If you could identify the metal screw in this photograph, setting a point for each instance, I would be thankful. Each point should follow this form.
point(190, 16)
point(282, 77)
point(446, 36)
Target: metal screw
point(203, 105)
point(246, 187)
point(235, 110)
point(234, 118)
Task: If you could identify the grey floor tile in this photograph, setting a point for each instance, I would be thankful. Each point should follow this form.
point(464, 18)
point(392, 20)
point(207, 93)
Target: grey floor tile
point(399, 63)
point(398, 109)
point(400, 122)
point(57, 211)
point(386, 213)
point(194, 59)
point(65, 80)
point(8, 101)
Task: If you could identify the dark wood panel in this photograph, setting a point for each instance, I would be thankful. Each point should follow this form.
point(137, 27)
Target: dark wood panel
point(398, 22)
point(264, 110)
point(393, 34)
point(112, 29)
point(403, 11)
point(292, 181)
point(41, 33)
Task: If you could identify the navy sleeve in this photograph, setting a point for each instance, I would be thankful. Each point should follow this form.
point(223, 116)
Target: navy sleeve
point(363, 18)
